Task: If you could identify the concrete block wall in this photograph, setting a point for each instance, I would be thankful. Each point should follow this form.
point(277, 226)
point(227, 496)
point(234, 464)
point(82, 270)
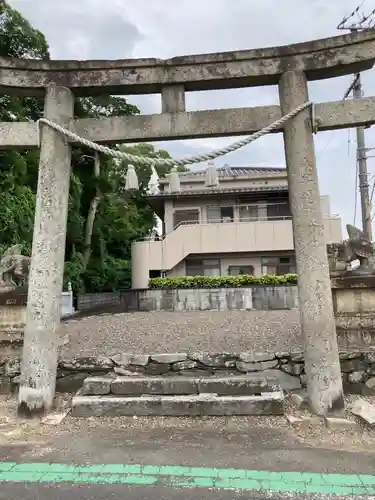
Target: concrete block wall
point(216, 299)
point(89, 301)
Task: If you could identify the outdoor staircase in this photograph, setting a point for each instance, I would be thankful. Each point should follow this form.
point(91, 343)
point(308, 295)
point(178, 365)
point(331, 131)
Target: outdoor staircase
point(178, 396)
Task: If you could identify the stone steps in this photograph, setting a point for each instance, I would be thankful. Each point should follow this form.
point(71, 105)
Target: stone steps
point(239, 385)
point(269, 403)
point(178, 396)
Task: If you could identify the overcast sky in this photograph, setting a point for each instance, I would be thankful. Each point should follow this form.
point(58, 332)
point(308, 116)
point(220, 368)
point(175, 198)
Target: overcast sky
point(119, 29)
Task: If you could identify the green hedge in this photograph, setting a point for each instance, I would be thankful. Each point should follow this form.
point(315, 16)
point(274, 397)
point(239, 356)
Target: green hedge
point(222, 281)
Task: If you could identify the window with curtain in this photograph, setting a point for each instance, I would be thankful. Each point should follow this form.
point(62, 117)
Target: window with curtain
point(249, 212)
point(238, 270)
point(220, 214)
point(213, 214)
point(203, 267)
point(278, 265)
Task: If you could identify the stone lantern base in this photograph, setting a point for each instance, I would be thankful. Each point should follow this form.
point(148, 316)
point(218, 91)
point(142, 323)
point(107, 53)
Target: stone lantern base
point(354, 306)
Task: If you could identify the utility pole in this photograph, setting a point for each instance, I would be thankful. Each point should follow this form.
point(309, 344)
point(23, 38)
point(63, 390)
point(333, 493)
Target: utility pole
point(362, 169)
point(362, 22)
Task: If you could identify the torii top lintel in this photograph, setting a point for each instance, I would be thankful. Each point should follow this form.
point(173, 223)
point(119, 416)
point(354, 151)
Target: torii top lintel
point(319, 59)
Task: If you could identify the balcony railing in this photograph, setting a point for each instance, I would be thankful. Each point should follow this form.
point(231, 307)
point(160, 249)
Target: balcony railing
point(228, 220)
point(247, 212)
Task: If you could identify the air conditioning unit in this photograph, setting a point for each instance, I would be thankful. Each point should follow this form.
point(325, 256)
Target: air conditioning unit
point(227, 219)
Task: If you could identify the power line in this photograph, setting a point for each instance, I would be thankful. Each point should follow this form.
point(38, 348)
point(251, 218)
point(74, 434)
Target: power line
point(362, 19)
point(346, 95)
point(351, 87)
point(372, 191)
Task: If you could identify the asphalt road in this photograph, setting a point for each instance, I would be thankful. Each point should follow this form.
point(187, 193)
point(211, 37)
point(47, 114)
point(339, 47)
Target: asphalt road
point(209, 447)
point(119, 492)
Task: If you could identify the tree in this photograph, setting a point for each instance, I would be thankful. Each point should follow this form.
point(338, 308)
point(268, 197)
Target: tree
point(18, 38)
point(94, 204)
point(131, 218)
point(103, 220)
point(18, 170)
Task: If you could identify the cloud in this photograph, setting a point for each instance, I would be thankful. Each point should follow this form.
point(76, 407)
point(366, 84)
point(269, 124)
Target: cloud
point(82, 30)
point(166, 28)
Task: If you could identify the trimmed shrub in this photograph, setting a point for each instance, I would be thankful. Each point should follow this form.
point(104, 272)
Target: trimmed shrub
point(242, 280)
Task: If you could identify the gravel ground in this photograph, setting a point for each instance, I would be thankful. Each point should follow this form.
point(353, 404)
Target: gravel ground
point(151, 332)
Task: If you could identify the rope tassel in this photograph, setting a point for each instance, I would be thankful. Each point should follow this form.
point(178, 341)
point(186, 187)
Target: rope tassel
point(131, 181)
point(212, 179)
point(174, 181)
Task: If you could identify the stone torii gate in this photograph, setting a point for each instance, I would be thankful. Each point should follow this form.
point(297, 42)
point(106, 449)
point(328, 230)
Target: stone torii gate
point(289, 67)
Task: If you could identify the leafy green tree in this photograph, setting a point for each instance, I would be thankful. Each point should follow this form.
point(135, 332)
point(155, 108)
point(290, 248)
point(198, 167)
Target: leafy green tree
point(103, 220)
point(18, 170)
point(131, 218)
point(18, 38)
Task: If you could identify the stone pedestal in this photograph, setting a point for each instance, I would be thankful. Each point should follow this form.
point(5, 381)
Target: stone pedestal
point(13, 305)
point(13, 311)
point(354, 307)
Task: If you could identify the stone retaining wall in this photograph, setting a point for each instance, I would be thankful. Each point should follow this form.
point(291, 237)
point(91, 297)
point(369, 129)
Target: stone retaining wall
point(358, 368)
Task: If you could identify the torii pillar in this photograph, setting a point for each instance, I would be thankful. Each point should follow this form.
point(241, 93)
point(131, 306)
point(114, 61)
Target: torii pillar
point(40, 350)
point(322, 365)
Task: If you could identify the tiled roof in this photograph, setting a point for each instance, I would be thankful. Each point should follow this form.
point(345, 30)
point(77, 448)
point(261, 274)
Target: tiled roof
point(199, 192)
point(228, 171)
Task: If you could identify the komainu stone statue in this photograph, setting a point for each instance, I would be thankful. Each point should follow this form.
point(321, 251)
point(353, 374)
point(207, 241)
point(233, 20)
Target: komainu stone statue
point(14, 268)
point(357, 247)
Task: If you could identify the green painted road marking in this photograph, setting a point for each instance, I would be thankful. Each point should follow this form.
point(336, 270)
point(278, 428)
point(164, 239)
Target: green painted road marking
point(177, 476)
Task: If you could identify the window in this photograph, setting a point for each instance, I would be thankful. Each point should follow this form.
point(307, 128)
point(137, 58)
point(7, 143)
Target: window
point(238, 270)
point(220, 214)
point(249, 212)
point(203, 267)
point(278, 210)
point(278, 265)
point(213, 214)
point(287, 265)
point(185, 217)
point(226, 214)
